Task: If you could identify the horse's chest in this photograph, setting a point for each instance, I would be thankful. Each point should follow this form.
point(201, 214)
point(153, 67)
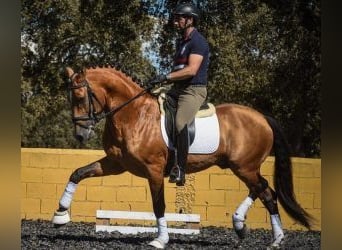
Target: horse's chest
point(122, 154)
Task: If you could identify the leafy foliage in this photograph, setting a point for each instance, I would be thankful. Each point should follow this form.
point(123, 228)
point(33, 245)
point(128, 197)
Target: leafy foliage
point(56, 34)
point(264, 54)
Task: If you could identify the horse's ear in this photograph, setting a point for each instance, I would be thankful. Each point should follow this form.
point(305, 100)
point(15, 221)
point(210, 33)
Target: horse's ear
point(69, 71)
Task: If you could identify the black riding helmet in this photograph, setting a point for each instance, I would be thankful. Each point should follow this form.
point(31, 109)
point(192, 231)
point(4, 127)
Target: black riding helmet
point(187, 9)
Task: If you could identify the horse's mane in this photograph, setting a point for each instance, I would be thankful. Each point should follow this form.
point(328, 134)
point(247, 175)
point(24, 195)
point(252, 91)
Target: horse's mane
point(119, 69)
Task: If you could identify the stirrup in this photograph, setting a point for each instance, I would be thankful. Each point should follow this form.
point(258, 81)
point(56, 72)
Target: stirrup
point(177, 176)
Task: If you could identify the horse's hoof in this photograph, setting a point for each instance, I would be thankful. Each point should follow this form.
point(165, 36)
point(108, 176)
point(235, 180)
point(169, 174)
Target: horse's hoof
point(242, 233)
point(61, 218)
point(157, 243)
point(277, 242)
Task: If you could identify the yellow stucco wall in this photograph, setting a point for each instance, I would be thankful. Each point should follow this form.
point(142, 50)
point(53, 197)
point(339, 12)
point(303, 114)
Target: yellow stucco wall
point(213, 193)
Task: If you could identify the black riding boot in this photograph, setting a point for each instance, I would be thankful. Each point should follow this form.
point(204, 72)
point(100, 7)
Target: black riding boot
point(177, 174)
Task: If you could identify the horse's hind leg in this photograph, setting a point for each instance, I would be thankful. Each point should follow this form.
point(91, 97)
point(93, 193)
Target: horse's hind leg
point(269, 198)
point(102, 167)
point(239, 216)
point(259, 188)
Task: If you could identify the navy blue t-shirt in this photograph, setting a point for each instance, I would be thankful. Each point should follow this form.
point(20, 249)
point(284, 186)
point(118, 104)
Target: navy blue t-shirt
point(195, 44)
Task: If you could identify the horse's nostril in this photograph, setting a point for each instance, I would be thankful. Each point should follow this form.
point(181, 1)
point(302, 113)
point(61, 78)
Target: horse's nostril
point(79, 138)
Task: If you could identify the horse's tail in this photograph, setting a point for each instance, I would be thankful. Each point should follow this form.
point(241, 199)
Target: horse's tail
point(283, 182)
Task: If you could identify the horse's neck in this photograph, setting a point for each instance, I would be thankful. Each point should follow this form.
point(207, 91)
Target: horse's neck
point(132, 107)
point(118, 90)
point(133, 124)
point(138, 111)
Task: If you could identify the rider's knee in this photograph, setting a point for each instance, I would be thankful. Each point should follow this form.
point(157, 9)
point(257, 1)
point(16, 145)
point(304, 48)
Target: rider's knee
point(180, 125)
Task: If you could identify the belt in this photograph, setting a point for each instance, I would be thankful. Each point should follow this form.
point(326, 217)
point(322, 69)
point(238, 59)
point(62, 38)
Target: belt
point(198, 85)
point(185, 85)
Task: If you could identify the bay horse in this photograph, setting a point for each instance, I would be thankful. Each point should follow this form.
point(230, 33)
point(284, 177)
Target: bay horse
point(133, 142)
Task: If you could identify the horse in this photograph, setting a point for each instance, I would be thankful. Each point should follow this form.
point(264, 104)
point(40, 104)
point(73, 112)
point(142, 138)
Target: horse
point(133, 142)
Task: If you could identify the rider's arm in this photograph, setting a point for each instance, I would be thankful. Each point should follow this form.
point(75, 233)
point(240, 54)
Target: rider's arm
point(190, 70)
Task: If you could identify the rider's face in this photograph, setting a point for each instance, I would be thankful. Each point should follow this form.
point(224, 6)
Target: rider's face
point(181, 21)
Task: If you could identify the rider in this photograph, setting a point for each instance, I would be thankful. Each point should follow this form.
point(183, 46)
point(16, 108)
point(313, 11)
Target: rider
point(189, 77)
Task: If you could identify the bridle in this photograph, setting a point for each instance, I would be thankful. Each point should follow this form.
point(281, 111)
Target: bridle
point(92, 114)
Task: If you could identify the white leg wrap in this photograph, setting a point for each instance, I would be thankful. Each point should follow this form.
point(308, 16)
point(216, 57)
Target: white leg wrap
point(66, 198)
point(278, 233)
point(240, 213)
point(162, 230)
point(163, 236)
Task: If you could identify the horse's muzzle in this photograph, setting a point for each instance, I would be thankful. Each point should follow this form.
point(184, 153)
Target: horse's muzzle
point(84, 133)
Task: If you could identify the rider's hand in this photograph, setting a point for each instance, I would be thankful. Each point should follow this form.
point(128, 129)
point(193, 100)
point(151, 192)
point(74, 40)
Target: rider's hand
point(156, 80)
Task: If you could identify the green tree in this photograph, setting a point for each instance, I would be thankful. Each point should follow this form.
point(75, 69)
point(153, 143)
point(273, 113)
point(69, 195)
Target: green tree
point(56, 34)
point(266, 55)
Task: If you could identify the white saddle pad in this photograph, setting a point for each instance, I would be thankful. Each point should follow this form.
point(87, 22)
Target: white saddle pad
point(207, 135)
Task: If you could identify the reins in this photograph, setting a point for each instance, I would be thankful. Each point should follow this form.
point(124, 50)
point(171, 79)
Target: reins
point(116, 109)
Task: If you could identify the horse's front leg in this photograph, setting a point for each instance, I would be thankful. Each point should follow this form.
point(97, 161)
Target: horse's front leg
point(157, 191)
point(102, 167)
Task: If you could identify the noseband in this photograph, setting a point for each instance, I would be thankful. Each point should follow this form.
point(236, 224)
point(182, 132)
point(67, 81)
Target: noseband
point(92, 114)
